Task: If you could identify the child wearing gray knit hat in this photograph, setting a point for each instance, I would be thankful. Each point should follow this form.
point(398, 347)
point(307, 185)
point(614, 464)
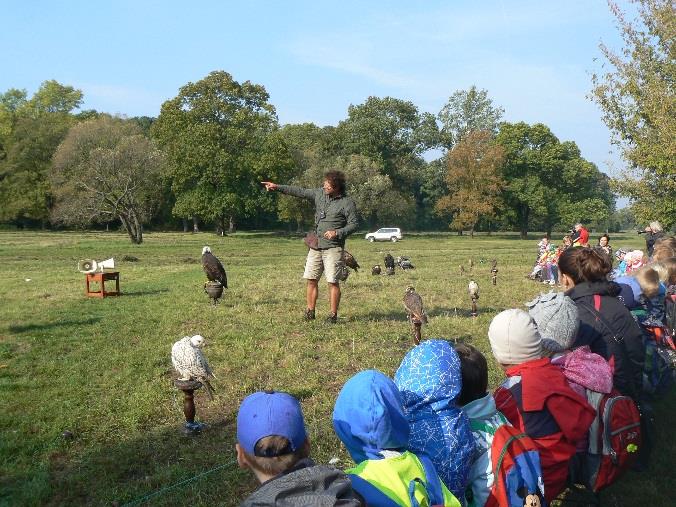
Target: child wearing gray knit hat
point(557, 319)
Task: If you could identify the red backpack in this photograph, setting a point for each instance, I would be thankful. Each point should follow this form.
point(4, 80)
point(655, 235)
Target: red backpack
point(517, 476)
point(614, 439)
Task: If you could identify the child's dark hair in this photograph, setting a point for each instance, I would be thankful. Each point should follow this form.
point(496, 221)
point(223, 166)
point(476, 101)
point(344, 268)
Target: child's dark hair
point(337, 180)
point(280, 459)
point(474, 373)
point(604, 236)
point(585, 264)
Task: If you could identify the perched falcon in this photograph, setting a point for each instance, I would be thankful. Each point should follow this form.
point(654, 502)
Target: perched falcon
point(389, 261)
point(471, 264)
point(462, 269)
point(213, 267)
point(190, 363)
point(405, 263)
point(416, 314)
point(473, 289)
point(376, 270)
point(350, 261)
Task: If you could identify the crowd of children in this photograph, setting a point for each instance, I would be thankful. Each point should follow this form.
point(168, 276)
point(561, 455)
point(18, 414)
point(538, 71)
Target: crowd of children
point(574, 393)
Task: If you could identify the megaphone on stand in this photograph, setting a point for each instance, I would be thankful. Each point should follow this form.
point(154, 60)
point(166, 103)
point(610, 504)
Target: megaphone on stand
point(91, 266)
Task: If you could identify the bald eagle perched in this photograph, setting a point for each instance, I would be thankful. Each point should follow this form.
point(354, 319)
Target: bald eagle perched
point(213, 268)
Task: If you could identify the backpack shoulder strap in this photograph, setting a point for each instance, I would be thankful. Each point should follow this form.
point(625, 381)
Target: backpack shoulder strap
point(597, 302)
point(372, 495)
point(432, 482)
point(600, 317)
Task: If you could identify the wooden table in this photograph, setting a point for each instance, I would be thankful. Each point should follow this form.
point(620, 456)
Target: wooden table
point(101, 279)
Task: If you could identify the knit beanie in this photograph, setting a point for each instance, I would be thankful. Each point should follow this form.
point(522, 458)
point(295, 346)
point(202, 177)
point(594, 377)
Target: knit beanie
point(557, 319)
point(514, 337)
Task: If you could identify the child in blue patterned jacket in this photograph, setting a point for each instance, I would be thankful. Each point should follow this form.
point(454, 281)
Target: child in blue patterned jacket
point(430, 381)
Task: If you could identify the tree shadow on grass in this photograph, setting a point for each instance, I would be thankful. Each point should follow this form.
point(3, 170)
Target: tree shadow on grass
point(144, 292)
point(32, 327)
point(162, 467)
point(463, 312)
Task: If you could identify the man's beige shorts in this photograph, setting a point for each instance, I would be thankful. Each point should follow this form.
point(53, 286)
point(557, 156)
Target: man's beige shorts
point(322, 261)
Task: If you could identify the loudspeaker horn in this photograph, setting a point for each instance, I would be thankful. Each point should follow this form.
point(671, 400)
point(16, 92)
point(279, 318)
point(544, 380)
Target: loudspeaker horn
point(87, 266)
point(107, 264)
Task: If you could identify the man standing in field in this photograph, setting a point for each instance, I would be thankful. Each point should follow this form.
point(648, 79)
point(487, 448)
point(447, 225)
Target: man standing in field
point(335, 220)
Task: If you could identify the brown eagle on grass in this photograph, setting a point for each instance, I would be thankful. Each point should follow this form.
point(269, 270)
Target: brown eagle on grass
point(213, 268)
point(416, 314)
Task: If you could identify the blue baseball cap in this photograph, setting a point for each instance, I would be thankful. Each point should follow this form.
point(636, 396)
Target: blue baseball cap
point(267, 413)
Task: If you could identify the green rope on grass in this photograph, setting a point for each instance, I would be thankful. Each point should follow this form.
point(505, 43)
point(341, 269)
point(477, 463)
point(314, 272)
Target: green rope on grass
point(162, 491)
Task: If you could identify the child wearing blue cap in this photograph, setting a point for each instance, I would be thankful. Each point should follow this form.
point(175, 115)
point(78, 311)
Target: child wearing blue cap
point(273, 444)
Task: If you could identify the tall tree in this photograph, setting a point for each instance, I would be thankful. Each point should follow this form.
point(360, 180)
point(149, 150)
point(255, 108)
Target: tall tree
point(221, 139)
point(30, 131)
point(467, 111)
point(474, 181)
point(104, 170)
point(548, 181)
point(637, 95)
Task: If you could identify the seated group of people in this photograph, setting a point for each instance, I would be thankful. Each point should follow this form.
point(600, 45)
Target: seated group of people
point(426, 436)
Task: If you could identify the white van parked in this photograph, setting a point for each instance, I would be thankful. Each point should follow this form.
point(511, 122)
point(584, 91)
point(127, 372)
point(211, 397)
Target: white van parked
point(392, 234)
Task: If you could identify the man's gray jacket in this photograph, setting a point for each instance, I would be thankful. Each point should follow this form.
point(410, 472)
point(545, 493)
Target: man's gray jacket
point(331, 213)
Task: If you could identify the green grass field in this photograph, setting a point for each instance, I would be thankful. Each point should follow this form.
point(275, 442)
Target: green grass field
point(101, 369)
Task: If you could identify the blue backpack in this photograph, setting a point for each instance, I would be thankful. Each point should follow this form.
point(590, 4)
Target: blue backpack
point(374, 497)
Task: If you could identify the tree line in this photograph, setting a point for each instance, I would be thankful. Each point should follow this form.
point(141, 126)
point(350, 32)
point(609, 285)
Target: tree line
point(199, 162)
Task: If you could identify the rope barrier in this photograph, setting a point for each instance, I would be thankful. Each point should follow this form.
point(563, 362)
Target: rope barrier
point(162, 491)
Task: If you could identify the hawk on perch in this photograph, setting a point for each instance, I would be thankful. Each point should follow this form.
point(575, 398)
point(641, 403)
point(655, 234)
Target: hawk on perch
point(416, 314)
point(350, 261)
point(190, 363)
point(213, 268)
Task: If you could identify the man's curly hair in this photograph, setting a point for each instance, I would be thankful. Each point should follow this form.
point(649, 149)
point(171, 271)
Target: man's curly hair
point(336, 179)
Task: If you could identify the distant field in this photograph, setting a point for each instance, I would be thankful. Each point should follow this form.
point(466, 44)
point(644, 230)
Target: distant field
point(101, 369)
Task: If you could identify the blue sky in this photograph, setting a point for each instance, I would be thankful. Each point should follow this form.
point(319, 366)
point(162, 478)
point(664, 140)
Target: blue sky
point(316, 58)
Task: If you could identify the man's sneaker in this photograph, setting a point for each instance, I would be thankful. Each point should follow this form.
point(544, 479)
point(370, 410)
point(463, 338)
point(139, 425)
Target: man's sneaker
point(332, 318)
point(309, 315)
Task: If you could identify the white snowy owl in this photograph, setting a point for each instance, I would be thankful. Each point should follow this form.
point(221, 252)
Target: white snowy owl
point(190, 363)
point(473, 289)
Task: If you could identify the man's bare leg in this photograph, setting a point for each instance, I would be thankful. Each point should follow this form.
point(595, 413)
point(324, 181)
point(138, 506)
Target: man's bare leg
point(334, 297)
point(312, 291)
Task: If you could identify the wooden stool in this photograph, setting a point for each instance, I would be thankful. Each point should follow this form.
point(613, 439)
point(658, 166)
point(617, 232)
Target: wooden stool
point(101, 278)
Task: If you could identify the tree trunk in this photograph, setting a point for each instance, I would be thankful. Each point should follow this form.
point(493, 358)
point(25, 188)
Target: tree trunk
point(471, 232)
point(132, 226)
point(231, 228)
point(221, 225)
point(524, 222)
point(185, 224)
point(195, 224)
point(299, 225)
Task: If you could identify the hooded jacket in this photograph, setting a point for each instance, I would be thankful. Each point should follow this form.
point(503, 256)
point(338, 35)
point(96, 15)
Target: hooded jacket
point(616, 336)
point(369, 419)
point(429, 380)
point(537, 400)
point(305, 484)
point(481, 476)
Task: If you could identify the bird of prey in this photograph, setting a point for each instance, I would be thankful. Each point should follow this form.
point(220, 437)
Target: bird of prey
point(350, 261)
point(405, 263)
point(494, 264)
point(416, 314)
point(376, 270)
point(190, 363)
point(462, 269)
point(471, 264)
point(473, 289)
point(213, 267)
point(389, 261)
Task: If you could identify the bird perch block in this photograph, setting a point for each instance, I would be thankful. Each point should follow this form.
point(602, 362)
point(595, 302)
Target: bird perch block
point(475, 312)
point(189, 387)
point(100, 279)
